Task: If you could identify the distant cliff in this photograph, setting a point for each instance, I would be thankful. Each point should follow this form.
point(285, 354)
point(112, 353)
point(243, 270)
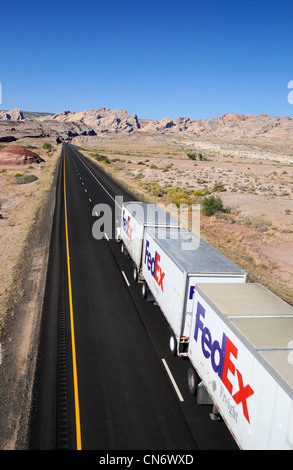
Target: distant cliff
point(16, 123)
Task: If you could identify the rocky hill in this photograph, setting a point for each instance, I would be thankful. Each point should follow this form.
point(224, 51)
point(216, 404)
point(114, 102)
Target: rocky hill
point(100, 120)
point(14, 115)
point(227, 127)
point(15, 124)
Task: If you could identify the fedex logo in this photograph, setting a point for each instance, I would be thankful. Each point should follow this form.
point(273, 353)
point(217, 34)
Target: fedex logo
point(223, 358)
point(191, 292)
point(153, 265)
point(126, 226)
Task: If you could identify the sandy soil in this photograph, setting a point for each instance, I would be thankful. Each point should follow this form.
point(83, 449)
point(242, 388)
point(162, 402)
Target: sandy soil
point(258, 188)
point(24, 244)
point(18, 207)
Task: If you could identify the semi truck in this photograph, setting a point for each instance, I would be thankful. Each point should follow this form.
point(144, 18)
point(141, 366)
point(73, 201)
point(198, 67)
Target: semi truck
point(135, 217)
point(241, 356)
point(174, 260)
point(238, 336)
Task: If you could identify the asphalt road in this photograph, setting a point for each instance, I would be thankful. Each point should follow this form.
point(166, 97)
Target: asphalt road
point(106, 379)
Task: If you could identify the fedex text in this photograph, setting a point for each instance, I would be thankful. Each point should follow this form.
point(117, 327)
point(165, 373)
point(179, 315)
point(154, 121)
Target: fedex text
point(223, 358)
point(127, 226)
point(153, 265)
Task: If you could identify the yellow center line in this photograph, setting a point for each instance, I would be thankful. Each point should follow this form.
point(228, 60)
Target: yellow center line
point(75, 382)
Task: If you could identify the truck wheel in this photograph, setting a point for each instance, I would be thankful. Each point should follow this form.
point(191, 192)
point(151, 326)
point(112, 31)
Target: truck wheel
point(144, 290)
point(173, 345)
point(124, 250)
point(135, 274)
point(193, 381)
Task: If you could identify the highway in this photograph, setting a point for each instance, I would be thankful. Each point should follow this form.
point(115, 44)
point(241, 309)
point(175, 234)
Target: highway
point(105, 378)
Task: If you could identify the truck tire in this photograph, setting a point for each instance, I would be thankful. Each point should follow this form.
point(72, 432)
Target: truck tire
point(135, 274)
point(124, 250)
point(193, 381)
point(173, 345)
point(144, 290)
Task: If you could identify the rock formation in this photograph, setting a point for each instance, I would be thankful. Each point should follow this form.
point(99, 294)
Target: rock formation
point(18, 155)
point(16, 124)
point(100, 120)
point(226, 127)
point(13, 115)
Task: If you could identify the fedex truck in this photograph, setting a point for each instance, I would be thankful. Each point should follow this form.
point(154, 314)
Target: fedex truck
point(135, 217)
point(174, 260)
point(241, 351)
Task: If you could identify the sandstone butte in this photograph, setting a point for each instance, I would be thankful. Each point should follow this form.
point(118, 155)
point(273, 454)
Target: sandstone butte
point(18, 155)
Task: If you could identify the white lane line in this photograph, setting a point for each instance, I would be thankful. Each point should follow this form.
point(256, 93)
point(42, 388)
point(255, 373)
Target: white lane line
point(90, 200)
point(97, 180)
point(173, 380)
point(106, 236)
point(126, 280)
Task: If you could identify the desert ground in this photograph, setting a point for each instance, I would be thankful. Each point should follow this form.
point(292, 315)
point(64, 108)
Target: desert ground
point(254, 181)
point(19, 204)
point(24, 247)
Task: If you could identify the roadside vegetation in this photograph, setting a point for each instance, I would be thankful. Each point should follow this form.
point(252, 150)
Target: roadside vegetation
point(176, 176)
point(24, 179)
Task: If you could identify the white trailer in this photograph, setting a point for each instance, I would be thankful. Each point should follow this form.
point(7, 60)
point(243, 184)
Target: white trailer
point(135, 217)
point(241, 349)
point(174, 261)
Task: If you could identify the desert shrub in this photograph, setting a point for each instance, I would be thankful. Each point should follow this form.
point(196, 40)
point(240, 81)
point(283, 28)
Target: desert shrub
point(200, 192)
point(192, 156)
point(210, 205)
point(218, 188)
point(101, 158)
point(257, 222)
point(202, 158)
point(226, 217)
point(154, 188)
point(47, 146)
point(24, 179)
point(167, 167)
point(179, 196)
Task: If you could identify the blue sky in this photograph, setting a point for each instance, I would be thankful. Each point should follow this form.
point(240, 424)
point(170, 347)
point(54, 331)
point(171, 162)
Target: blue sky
point(197, 59)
